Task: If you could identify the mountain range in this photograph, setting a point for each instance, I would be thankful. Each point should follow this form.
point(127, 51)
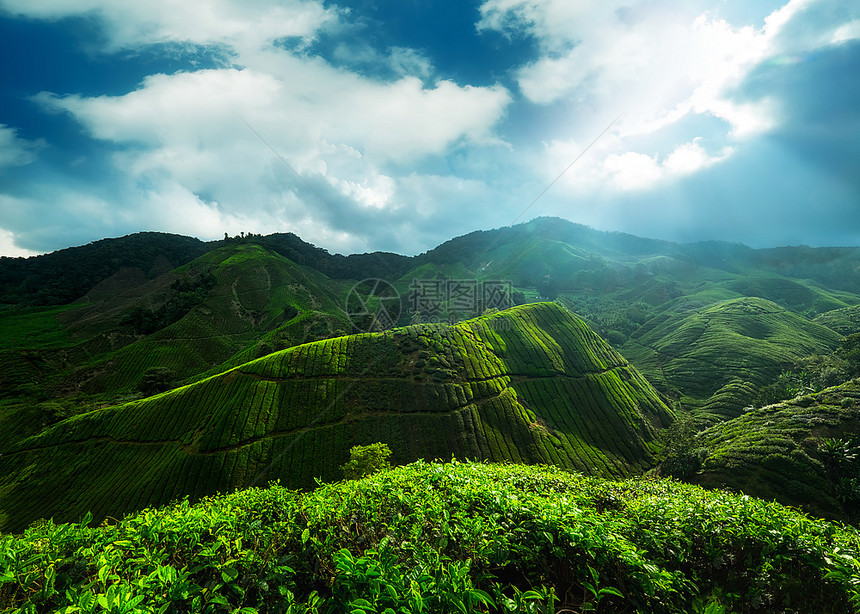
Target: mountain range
point(138, 370)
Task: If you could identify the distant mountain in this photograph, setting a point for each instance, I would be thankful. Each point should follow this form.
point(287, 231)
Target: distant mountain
point(567, 251)
point(530, 384)
point(574, 257)
point(66, 275)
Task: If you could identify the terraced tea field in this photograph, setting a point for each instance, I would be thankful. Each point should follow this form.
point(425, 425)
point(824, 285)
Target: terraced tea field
point(781, 452)
point(532, 384)
point(741, 340)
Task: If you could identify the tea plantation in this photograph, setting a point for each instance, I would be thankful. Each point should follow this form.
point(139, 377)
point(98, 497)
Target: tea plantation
point(800, 452)
point(438, 538)
point(532, 384)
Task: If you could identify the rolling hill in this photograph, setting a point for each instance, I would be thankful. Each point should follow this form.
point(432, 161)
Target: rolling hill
point(845, 321)
point(530, 384)
point(703, 351)
point(229, 306)
point(86, 333)
point(799, 452)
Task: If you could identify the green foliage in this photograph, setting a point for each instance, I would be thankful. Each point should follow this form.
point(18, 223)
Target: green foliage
point(438, 538)
point(849, 350)
point(684, 457)
point(187, 293)
point(845, 321)
point(787, 386)
point(366, 460)
point(61, 277)
point(33, 328)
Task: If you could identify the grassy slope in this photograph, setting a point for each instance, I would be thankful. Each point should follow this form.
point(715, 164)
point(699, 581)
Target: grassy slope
point(746, 339)
point(253, 287)
point(445, 538)
point(845, 321)
point(530, 384)
point(87, 348)
point(772, 453)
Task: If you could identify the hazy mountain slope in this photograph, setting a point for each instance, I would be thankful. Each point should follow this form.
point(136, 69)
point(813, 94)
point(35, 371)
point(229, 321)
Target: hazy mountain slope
point(494, 251)
point(747, 339)
point(530, 384)
point(779, 452)
point(66, 275)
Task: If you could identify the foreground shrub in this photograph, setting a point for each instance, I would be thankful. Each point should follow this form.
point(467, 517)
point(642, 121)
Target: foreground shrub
point(366, 460)
point(457, 537)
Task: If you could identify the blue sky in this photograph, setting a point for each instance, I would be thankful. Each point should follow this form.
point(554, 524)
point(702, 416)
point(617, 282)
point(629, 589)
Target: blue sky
point(374, 125)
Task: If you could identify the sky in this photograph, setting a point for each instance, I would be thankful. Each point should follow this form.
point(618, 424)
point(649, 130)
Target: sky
point(366, 125)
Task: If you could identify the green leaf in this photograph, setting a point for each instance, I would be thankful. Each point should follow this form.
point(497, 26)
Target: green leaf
point(609, 590)
point(483, 597)
point(306, 535)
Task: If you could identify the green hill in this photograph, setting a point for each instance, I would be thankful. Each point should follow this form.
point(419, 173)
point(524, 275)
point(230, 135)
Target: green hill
point(223, 309)
point(229, 306)
point(799, 452)
point(579, 257)
point(700, 352)
point(437, 538)
point(530, 384)
point(845, 321)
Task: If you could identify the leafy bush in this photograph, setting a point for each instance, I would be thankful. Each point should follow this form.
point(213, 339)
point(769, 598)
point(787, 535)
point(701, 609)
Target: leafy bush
point(684, 456)
point(458, 537)
point(366, 460)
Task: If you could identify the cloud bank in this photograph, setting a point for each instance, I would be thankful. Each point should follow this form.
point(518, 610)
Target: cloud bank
point(728, 121)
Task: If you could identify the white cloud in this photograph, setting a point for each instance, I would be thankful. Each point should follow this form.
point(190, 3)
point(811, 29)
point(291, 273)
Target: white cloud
point(648, 61)
point(240, 25)
point(634, 171)
point(606, 166)
point(654, 64)
point(631, 170)
point(15, 151)
point(186, 131)
point(691, 157)
point(9, 247)
point(847, 32)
